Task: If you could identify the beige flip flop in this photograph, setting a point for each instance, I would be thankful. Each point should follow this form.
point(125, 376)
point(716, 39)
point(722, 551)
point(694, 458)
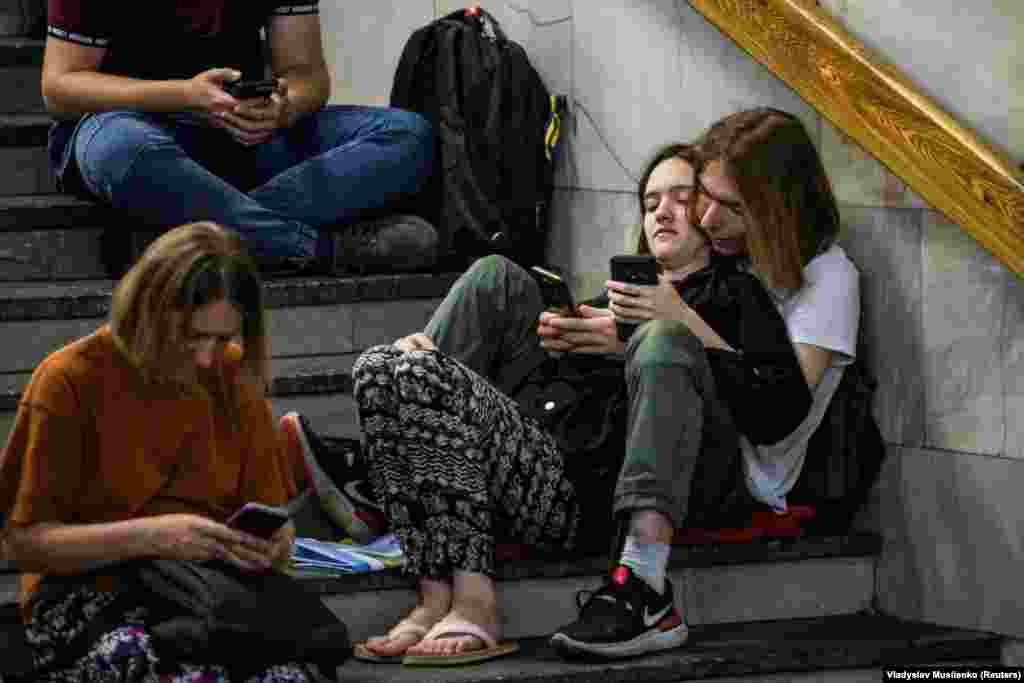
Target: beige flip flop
point(361, 652)
point(451, 628)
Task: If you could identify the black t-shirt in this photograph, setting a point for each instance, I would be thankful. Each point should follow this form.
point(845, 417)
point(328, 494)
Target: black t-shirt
point(171, 39)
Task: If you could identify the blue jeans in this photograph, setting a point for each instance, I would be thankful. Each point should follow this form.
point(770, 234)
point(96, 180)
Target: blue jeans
point(329, 168)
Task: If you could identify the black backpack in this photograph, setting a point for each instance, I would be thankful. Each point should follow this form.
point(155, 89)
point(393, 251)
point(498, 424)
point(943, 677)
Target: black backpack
point(495, 130)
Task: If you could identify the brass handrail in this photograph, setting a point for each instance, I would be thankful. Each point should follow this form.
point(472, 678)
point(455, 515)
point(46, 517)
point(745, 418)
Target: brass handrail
point(873, 103)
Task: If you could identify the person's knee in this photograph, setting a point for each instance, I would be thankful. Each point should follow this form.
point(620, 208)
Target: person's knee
point(493, 267)
point(373, 363)
point(417, 126)
point(498, 274)
point(662, 343)
point(109, 145)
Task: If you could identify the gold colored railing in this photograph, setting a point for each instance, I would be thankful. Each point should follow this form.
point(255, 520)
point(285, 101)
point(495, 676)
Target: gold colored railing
point(877, 106)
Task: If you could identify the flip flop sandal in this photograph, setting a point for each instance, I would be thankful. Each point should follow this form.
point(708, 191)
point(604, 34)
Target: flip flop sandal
point(452, 628)
point(361, 652)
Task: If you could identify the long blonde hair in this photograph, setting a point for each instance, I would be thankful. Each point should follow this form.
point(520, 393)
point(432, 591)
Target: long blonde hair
point(184, 269)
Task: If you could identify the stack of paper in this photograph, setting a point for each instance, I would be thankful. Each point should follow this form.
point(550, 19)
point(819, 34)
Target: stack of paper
point(325, 557)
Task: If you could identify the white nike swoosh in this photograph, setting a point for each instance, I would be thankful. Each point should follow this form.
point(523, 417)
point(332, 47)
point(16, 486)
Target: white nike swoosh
point(353, 492)
point(652, 619)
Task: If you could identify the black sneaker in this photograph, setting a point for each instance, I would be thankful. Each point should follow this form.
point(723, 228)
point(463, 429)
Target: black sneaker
point(396, 243)
point(338, 473)
point(625, 618)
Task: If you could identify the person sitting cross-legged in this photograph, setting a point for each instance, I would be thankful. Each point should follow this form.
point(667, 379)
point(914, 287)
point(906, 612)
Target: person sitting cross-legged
point(146, 124)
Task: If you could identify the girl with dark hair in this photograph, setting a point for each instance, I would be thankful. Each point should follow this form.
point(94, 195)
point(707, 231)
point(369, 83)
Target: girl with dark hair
point(139, 441)
point(501, 422)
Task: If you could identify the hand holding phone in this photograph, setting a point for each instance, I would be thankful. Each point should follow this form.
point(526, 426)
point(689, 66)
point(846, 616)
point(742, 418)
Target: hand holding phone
point(247, 90)
point(259, 519)
point(641, 269)
point(555, 292)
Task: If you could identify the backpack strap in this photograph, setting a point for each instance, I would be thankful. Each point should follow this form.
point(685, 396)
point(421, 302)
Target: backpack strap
point(408, 73)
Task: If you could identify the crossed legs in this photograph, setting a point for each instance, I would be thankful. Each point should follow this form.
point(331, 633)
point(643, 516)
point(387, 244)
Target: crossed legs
point(454, 464)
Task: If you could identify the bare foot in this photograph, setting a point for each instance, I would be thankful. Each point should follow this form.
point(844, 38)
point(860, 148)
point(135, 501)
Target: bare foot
point(433, 601)
point(474, 601)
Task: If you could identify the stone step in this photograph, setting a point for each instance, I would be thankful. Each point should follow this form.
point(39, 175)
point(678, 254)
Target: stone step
point(22, 89)
point(838, 649)
point(313, 321)
point(20, 62)
point(54, 237)
point(32, 213)
point(319, 387)
point(23, 18)
point(844, 647)
point(47, 301)
point(24, 162)
point(24, 130)
point(21, 52)
point(764, 580)
point(787, 578)
point(301, 376)
point(799, 578)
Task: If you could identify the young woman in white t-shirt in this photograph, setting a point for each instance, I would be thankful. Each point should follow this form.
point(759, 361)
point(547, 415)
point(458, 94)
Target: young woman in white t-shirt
point(762, 191)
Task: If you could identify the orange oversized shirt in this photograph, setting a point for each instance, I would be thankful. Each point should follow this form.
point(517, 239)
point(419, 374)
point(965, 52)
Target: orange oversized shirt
point(92, 443)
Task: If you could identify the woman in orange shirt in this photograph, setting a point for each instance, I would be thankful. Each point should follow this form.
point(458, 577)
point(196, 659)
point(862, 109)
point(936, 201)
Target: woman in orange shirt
point(139, 441)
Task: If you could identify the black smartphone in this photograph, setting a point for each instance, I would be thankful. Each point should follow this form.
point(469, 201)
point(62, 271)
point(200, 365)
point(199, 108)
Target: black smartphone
point(638, 269)
point(259, 519)
point(555, 291)
point(247, 90)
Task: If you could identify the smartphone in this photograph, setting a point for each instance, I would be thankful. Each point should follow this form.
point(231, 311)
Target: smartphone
point(259, 519)
point(555, 291)
point(636, 269)
point(247, 90)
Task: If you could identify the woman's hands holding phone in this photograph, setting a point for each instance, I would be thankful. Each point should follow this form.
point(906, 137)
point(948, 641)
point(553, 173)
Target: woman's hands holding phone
point(640, 303)
point(199, 539)
point(592, 332)
point(636, 303)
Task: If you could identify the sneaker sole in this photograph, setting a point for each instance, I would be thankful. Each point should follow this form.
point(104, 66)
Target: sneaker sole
point(651, 641)
point(334, 503)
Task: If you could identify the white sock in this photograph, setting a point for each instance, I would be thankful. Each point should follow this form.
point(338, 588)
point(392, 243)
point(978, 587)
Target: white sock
point(649, 561)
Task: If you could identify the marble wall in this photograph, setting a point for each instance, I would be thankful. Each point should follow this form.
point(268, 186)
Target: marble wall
point(944, 326)
point(943, 320)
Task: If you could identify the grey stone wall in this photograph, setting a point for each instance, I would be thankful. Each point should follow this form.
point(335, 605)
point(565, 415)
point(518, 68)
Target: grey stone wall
point(944, 320)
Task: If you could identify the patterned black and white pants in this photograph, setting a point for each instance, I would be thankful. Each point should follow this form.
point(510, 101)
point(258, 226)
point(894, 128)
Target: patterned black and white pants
point(456, 465)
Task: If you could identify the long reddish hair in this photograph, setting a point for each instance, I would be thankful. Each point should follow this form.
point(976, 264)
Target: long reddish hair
point(791, 211)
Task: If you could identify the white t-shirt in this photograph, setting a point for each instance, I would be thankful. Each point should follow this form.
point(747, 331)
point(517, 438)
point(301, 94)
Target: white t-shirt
point(824, 312)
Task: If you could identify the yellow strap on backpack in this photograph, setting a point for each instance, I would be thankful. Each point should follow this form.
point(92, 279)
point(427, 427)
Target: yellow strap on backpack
point(553, 129)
